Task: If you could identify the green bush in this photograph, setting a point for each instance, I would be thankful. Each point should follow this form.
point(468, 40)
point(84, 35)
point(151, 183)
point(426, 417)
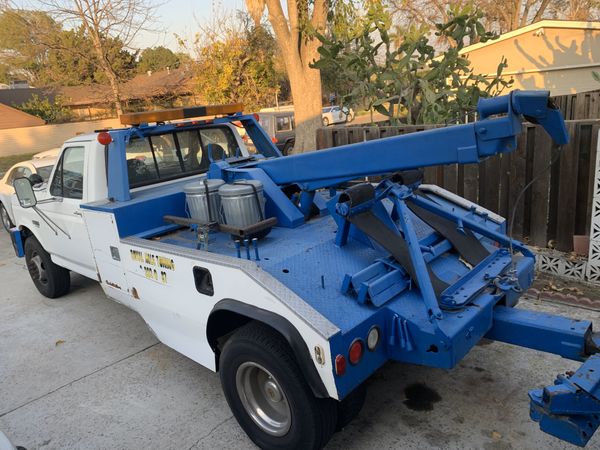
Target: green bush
point(51, 112)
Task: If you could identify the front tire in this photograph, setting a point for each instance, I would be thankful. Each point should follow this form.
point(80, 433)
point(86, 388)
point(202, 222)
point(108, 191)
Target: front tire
point(268, 395)
point(325, 122)
point(51, 280)
point(6, 221)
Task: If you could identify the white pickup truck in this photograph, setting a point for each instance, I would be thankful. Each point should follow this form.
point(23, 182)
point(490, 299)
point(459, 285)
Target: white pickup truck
point(323, 282)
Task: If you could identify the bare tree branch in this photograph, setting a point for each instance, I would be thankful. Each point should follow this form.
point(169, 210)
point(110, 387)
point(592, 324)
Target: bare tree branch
point(104, 19)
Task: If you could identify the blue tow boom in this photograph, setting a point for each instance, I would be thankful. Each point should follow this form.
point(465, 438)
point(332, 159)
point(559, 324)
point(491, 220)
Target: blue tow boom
point(444, 274)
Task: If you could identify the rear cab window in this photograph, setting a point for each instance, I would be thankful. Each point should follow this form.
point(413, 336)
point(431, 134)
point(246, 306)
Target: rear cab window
point(177, 154)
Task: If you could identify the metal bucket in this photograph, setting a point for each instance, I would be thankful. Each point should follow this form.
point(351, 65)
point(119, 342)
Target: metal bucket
point(201, 209)
point(243, 203)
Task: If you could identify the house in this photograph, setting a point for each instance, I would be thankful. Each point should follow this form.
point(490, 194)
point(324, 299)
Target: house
point(556, 55)
point(166, 88)
point(13, 118)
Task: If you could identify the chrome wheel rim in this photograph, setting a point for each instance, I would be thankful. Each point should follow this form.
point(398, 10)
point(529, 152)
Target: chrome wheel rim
point(263, 399)
point(37, 269)
point(5, 219)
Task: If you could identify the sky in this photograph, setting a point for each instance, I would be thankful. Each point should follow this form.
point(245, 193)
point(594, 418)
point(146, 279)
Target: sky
point(182, 17)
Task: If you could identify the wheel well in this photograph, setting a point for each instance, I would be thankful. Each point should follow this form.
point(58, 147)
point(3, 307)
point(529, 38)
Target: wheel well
point(229, 315)
point(25, 232)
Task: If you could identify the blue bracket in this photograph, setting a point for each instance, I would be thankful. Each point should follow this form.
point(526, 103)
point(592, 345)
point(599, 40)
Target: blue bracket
point(377, 283)
point(477, 279)
point(570, 409)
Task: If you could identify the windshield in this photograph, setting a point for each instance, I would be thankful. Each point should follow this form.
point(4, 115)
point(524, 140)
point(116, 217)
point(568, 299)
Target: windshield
point(44, 172)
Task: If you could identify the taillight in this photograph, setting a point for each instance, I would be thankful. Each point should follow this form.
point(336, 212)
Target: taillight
point(274, 140)
point(356, 351)
point(340, 365)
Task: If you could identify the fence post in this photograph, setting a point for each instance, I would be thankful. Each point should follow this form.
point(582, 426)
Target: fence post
point(593, 265)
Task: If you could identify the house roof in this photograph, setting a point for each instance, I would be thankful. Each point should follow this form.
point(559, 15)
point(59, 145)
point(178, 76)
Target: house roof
point(566, 24)
point(11, 97)
point(13, 118)
point(158, 84)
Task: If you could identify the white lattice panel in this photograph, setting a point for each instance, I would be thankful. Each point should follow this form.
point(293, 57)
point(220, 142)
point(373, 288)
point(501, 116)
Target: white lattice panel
point(593, 266)
point(556, 263)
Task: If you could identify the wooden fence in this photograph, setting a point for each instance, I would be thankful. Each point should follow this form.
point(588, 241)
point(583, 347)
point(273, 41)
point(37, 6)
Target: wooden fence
point(585, 105)
point(556, 207)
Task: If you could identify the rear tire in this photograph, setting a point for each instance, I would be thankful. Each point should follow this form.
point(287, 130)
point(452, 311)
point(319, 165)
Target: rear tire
point(7, 223)
point(51, 280)
point(287, 149)
point(268, 395)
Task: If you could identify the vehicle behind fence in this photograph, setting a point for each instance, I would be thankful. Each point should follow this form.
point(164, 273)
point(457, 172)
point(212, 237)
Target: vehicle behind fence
point(558, 205)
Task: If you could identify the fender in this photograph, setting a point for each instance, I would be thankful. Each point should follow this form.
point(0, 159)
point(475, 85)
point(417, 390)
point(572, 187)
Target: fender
point(221, 322)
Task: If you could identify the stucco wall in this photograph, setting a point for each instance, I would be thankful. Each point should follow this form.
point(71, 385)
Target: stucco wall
point(17, 141)
point(558, 59)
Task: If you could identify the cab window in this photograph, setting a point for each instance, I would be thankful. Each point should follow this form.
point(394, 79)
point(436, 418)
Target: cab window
point(179, 154)
point(68, 176)
point(220, 141)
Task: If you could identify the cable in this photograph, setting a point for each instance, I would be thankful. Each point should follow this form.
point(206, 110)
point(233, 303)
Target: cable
point(513, 270)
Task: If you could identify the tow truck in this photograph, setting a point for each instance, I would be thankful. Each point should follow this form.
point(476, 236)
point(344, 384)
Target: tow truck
point(326, 279)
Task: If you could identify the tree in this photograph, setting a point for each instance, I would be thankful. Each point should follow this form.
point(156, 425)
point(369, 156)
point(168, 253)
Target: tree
point(36, 47)
point(103, 21)
point(236, 63)
point(296, 37)
point(51, 112)
point(409, 81)
point(499, 16)
point(157, 58)
point(21, 36)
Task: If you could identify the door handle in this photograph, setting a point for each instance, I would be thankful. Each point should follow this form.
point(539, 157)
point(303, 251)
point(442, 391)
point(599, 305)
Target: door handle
point(77, 213)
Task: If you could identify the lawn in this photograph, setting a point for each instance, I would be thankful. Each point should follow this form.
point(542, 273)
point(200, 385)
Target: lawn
point(7, 161)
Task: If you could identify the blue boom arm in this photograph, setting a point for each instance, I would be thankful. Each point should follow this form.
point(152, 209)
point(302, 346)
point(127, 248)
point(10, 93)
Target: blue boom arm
point(461, 144)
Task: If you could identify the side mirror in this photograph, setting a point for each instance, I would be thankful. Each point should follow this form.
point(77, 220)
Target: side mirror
point(25, 193)
point(35, 179)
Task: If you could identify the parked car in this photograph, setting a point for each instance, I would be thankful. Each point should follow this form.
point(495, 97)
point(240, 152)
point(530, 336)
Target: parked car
point(41, 166)
point(280, 127)
point(52, 153)
point(349, 112)
point(332, 115)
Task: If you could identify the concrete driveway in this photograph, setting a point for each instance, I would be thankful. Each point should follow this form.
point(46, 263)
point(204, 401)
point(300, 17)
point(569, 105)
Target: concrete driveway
point(83, 372)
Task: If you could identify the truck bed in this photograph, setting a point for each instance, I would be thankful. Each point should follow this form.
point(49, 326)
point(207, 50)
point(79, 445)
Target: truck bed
point(308, 262)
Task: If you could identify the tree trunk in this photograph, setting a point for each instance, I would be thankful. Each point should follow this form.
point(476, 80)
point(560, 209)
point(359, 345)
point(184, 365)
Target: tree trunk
point(305, 84)
point(108, 71)
point(114, 87)
point(298, 51)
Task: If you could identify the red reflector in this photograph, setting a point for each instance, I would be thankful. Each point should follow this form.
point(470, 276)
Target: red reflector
point(104, 138)
point(356, 351)
point(274, 140)
point(340, 365)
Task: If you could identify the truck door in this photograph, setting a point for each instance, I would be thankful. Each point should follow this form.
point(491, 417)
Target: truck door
point(71, 249)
